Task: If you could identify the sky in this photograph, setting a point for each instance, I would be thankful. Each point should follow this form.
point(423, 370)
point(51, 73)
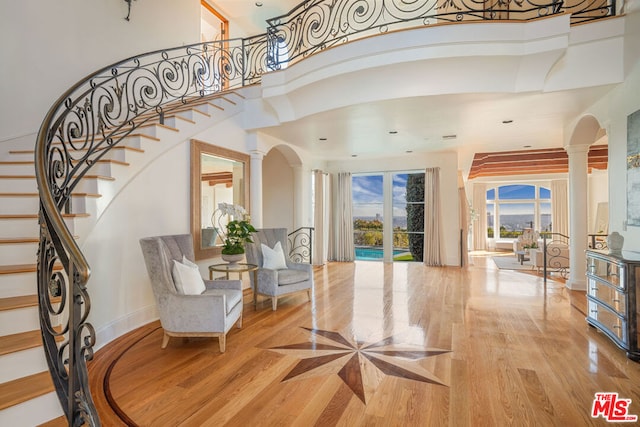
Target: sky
point(368, 199)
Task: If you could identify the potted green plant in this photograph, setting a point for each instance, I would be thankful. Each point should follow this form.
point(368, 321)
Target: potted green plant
point(238, 232)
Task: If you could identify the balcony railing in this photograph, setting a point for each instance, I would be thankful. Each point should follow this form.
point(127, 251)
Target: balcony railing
point(96, 114)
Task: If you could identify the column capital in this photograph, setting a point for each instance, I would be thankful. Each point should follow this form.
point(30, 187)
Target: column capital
point(257, 154)
point(581, 148)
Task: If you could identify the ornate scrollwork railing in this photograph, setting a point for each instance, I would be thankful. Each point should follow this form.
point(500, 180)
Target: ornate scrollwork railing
point(597, 242)
point(82, 126)
point(98, 112)
point(555, 254)
point(301, 245)
point(315, 25)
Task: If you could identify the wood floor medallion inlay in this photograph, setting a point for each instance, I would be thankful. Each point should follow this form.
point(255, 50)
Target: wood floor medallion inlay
point(359, 364)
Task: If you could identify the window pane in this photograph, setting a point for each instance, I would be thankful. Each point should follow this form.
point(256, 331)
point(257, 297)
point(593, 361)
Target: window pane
point(367, 215)
point(401, 246)
point(545, 193)
point(515, 217)
point(545, 216)
point(491, 194)
point(408, 216)
point(513, 192)
point(491, 214)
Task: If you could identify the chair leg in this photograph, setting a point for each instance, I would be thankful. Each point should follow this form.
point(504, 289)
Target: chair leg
point(222, 340)
point(309, 294)
point(165, 340)
point(239, 323)
point(274, 303)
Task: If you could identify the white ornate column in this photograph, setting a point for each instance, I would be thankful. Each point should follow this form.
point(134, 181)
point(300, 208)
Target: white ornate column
point(578, 213)
point(256, 187)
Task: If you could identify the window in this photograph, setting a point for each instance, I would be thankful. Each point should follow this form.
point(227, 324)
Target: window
point(513, 208)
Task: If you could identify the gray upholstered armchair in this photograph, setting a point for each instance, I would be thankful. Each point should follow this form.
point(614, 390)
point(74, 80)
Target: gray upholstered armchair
point(272, 282)
point(204, 309)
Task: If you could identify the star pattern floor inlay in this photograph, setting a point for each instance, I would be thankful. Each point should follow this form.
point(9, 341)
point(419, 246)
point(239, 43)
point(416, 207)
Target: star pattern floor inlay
point(360, 365)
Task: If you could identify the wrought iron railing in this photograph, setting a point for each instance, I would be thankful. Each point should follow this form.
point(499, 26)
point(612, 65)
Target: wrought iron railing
point(315, 25)
point(98, 112)
point(81, 127)
point(597, 241)
point(301, 245)
point(555, 254)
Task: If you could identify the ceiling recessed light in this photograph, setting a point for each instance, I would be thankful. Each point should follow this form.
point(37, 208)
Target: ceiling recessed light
point(452, 136)
point(409, 151)
point(354, 155)
point(393, 132)
point(507, 121)
point(322, 139)
point(526, 146)
point(259, 4)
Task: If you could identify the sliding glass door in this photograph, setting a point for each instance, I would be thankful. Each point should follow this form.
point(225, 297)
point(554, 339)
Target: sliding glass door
point(388, 216)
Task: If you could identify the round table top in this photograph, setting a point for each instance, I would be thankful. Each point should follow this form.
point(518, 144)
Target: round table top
point(233, 267)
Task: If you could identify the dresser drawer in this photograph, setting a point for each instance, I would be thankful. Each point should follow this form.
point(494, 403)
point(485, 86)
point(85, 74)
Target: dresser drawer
point(611, 272)
point(608, 319)
point(607, 294)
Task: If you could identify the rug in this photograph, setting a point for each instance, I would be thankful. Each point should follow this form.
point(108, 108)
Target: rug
point(510, 262)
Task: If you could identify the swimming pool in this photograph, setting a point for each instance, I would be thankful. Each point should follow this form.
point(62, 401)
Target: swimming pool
point(374, 254)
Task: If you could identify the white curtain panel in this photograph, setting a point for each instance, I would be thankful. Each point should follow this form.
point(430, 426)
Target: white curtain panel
point(560, 207)
point(342, 248)
point(432, 218)
point(464, 223)
point(318, 218)
point(480, 223)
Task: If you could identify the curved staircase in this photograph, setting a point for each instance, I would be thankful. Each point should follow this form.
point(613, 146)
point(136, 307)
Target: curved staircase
point(27, 395)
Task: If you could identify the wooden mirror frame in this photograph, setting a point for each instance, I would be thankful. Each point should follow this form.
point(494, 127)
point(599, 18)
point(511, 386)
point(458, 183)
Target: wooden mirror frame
point(197, 149)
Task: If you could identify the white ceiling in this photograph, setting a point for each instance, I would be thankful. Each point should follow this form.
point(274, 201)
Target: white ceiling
point(421, 122)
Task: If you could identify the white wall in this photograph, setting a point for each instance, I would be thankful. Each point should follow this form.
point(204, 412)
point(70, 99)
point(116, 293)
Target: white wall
point(156, 202)
point(447, 161)
point(47, 46)
point(612, 112)
point(277, 191)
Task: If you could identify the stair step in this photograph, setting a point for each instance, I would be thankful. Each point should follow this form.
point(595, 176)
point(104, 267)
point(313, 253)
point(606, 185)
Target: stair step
point(36, 216)
point(23, 389)
point(18, 240)
point(22, 301)
point(23, 268)
point(56, 422)
point(22, 341)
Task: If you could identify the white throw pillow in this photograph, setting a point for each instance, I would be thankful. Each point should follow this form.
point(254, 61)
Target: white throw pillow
point(188, 263)
point(187, 278)
point(273, 258)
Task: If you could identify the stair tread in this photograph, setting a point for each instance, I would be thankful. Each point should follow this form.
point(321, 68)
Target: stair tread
point(23, 268)
point(38, 195)
point(22, 341)
point(26, 388)
point(118, 147)
point(32, 162)
point(56, 422)
point(11, 240)
point(35, 216)
point(108, 178)
point(22, 301)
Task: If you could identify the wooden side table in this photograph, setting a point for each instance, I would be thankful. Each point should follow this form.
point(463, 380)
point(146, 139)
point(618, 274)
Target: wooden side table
point(237, 267)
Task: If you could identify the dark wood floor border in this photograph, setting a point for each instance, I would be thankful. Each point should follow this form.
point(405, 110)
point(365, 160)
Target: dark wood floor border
point(101, 367)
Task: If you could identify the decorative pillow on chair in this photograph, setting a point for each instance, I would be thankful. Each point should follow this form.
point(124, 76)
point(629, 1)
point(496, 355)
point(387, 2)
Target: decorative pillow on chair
point(273, 259)
point(187, 278)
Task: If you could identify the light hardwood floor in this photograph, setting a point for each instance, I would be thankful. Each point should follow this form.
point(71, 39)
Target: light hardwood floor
point(379, 344)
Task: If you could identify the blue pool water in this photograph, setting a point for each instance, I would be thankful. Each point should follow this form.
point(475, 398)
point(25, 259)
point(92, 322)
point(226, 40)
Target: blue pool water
point(373, 254)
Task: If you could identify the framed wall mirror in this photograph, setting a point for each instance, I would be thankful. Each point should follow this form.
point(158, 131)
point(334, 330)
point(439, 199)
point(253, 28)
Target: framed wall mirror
point(218, 175)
